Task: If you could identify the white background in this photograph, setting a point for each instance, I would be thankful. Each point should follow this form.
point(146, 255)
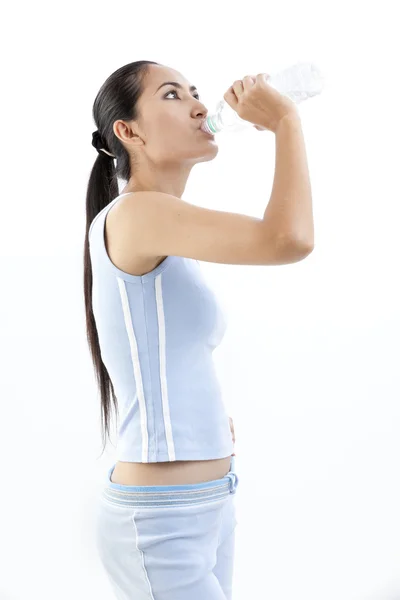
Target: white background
point(310, 364)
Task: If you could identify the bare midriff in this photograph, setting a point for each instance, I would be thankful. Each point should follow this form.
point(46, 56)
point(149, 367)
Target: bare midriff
point(171, 472)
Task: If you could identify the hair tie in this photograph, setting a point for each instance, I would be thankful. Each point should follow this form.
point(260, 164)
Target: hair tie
point(98, 143)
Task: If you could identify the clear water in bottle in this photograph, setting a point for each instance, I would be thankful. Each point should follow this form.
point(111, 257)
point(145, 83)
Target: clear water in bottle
point(300, 81)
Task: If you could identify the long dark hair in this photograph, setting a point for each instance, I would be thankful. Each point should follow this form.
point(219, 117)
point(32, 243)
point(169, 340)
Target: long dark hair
point(116, 99)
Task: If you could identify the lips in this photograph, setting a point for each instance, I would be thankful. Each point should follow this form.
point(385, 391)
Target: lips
point(211, 135)
point(205, 129)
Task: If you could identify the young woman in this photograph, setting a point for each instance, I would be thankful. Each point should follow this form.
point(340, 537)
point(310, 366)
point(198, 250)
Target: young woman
point(166, 519)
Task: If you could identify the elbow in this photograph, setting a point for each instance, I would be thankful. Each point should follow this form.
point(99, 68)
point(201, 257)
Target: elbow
point(300, 248)
point(299, 245)
point(307, 248)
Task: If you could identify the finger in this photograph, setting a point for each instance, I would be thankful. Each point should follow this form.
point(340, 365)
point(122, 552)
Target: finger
point(237, 87)
point(231, 98)
point(248, 81)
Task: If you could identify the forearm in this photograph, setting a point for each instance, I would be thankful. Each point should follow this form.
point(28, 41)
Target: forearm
point(290, 205)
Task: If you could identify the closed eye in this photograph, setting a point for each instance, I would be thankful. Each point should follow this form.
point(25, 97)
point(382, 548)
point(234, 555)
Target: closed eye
point(175, 92)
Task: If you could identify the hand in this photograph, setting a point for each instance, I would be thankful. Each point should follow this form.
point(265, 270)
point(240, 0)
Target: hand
point(232, 432)
point(258, 127)
point(256, 101)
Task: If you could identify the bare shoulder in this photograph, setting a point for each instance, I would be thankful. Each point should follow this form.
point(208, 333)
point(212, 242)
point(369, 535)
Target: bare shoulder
point(119, 228)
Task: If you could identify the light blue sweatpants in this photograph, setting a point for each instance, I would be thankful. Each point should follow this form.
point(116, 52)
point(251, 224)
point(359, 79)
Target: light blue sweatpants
point(168, 542)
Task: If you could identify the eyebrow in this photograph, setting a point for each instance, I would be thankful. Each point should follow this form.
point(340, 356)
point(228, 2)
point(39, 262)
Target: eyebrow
point(176, 84)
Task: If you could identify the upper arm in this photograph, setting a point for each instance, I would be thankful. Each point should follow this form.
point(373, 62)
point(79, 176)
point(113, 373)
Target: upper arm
point(159, 224)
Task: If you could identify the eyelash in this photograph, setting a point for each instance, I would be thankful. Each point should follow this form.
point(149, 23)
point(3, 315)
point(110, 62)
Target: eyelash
point(175, 92)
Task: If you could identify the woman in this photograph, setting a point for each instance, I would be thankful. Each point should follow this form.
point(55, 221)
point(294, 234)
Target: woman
point(166, 519)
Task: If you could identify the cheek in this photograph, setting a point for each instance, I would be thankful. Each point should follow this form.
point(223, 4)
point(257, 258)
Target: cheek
point(170, 132)
point(162, 128)
point(172, 119)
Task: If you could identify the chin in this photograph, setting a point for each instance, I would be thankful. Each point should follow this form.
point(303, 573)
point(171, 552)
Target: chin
point(210, 155)
point(212, 150)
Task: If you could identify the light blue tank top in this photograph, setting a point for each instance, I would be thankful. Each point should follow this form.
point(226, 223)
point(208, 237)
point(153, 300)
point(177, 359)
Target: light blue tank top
point(157, 333)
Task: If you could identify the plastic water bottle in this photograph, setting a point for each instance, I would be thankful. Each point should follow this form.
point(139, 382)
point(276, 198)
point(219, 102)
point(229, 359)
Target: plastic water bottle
point(298, 82)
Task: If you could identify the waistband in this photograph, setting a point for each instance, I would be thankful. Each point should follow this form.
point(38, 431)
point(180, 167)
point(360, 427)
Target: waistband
point(170, 495)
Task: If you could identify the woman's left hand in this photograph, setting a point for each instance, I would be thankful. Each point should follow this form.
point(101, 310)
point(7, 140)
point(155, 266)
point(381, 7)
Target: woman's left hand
point(233, 432)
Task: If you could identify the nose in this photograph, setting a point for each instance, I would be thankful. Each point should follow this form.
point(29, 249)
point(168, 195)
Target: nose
point(203, 111)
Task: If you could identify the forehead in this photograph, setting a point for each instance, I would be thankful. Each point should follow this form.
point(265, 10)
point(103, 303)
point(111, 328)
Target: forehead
point(158, 74)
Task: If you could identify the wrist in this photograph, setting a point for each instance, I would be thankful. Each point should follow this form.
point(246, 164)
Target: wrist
point(291, 117)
